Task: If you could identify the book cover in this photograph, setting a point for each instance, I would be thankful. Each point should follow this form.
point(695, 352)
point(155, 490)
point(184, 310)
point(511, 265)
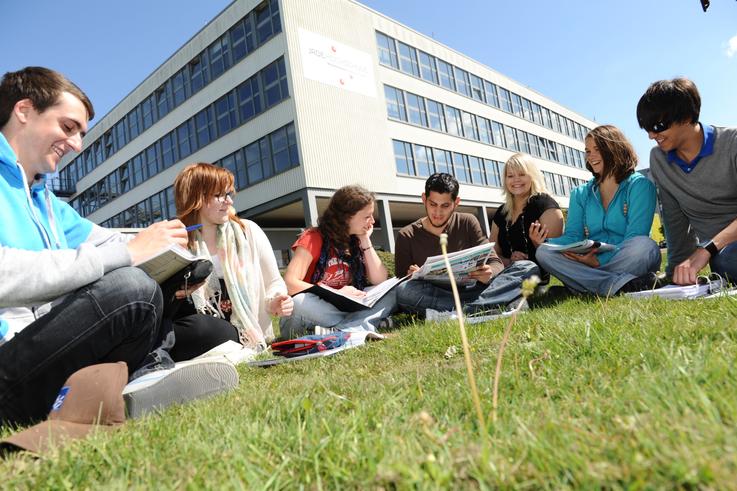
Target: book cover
point(168, 262)
point(348, 303)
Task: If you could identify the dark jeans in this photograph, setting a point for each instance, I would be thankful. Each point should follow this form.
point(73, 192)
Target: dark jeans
point(415, 296)
point(116, 318)
point(725, 263)
point(199, 333)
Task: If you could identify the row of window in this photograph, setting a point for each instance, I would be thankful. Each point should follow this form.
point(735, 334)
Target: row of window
point(417, 110)
point(257, 27)
point(412, 159)
point(417, 63)
point(561, 185)
point(267, 156)
point(263, 90)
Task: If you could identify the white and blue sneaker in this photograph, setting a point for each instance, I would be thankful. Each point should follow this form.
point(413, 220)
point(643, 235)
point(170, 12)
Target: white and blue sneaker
point(187, 381)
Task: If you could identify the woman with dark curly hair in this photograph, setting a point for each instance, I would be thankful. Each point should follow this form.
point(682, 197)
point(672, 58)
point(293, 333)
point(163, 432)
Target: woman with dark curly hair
point(617, 207)
point(337, 253)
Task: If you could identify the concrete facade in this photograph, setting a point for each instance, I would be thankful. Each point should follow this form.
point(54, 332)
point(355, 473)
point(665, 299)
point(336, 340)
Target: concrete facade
point(340, 128)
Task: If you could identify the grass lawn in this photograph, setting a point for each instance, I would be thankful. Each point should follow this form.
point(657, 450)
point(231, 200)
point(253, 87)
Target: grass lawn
point(594, 393)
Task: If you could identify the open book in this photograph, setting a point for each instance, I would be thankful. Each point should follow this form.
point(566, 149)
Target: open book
point(348, 303)
point(169, 261)
point(704, 287)
point(583, 246)
point(461, 263)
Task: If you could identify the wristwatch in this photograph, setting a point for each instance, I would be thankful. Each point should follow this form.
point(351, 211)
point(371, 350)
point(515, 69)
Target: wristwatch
point(711, 248)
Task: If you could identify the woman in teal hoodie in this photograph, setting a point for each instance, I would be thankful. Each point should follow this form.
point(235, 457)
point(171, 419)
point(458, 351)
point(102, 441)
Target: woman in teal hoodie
point(617, 207)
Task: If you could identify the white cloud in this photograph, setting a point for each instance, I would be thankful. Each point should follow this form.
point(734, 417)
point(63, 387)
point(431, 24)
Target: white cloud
point(732, 46)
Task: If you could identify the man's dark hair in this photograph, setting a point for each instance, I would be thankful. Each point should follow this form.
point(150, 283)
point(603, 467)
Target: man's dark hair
point(669, 101)
point(42, 86)
point(442, 183)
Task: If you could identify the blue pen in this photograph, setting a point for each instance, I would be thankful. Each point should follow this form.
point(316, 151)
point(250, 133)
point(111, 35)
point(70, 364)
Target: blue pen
point(194, 227)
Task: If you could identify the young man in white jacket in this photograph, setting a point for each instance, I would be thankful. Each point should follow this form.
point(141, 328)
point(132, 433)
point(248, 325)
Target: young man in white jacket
point(69, 297)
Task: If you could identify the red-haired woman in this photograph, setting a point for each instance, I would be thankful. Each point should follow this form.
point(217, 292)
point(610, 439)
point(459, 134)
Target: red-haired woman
point(245, 289)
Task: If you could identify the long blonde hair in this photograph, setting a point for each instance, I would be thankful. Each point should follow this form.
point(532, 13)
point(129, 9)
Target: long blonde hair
point(521, 162)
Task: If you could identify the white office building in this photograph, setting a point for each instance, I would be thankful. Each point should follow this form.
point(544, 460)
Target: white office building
point(301, 97)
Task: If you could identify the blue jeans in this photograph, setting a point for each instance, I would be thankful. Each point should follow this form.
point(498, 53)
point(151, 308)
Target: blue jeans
point(725, 263)
point(116, 318)
point(416, 296)
point(636, 257)
point(311, 310)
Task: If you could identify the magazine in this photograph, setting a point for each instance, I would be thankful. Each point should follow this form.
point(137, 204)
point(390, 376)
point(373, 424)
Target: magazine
point(348, 303)
point(167, 262)
point(461, 263)
point(583, 246)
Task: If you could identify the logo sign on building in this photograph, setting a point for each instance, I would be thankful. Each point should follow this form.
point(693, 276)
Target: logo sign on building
point(336, 64)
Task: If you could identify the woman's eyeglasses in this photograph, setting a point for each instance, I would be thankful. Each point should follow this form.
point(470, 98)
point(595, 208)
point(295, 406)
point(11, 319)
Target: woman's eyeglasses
point(222, 198)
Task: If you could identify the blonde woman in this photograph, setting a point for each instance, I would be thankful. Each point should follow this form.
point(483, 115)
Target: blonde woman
point(526, 203)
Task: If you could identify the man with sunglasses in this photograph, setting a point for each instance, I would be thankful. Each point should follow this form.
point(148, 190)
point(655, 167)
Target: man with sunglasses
point(695, 169)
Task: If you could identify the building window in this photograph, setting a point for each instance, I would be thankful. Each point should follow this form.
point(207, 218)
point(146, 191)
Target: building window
point(453, 121)
point(435, 115)
point(447, 79)
point(428, 70)
point(249, 99)
point(492, 97)
point(460, 167)
point(134, 124)
point(485, 130)
point(153, 160)
point(163, 99)
point(204, 126)
point(280, 148)
point(180, 86)
point(477, 173)
point(498, 132)
point(225, 113)
point(491, 168)
point(275, 82)
point(138, 171)
point(505, 100)
point(220, 56)
point(198, 73)
point(387, 50)
point(516, 105)
point(147, 112)
point(121, 134)
point(395, 103)
point(403, 158)
point(463, 84)
point(443, 161)
point(253, 163)
point(423, 160)
point(186, 139)
point(469, 126)
point(477, 88)
point(416, 109)
point(168, 149)
point(408, 59)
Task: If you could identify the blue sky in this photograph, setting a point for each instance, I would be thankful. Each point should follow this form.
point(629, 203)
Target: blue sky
point(594, 57)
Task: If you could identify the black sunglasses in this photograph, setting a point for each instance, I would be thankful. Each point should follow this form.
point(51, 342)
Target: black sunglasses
point(659, 127)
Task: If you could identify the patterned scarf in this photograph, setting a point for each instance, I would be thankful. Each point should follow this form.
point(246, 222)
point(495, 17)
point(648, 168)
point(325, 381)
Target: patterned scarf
point(233, 250)
point(353, 257)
